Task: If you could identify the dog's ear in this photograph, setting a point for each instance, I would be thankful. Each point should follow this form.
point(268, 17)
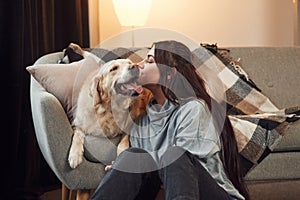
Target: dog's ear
point(96, 90)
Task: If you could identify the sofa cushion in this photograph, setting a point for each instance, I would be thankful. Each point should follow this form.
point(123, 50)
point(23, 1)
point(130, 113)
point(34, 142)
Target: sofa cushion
point(275, 70)
point(274, 167)
point(64, 80)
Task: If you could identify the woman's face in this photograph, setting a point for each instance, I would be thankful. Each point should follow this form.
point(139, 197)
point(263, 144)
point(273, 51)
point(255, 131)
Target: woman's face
point(149, 72)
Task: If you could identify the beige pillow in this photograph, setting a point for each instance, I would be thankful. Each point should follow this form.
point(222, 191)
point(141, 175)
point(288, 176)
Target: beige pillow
point(64, 80)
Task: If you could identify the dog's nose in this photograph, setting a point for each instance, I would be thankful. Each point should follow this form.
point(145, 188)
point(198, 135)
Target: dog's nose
point(134, 70)
point(133, 66)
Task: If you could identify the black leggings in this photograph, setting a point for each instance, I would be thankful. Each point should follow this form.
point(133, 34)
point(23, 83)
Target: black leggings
point(182, 178)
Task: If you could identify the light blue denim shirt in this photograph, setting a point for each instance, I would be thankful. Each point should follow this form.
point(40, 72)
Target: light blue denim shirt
point(189, 126)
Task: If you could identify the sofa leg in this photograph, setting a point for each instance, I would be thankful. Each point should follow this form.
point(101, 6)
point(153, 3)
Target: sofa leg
point(83, 194)
point(66, 193)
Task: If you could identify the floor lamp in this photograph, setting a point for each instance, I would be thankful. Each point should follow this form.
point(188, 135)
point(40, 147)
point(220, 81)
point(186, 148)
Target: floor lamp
point(132, 13)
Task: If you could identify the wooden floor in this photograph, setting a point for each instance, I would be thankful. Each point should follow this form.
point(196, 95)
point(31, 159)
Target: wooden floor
point(56, 195)
point(285, 190)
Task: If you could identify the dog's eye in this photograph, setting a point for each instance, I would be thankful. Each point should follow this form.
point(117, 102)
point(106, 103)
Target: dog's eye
point(114, 68)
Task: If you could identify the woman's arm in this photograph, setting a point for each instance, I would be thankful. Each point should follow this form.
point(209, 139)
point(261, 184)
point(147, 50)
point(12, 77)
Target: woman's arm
point(196, 132)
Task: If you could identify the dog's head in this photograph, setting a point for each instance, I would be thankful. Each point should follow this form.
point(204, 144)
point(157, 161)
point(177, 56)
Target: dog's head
point(116, 78)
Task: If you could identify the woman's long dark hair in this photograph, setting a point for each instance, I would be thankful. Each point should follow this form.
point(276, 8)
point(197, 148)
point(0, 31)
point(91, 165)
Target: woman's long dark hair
point(170, 54)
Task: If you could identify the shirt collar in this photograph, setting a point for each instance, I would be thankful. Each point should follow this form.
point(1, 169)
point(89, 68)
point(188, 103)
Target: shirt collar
point(160, 113)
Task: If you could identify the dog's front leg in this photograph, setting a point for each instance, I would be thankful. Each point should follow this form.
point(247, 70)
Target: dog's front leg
point(76, 150)
point(123, 145)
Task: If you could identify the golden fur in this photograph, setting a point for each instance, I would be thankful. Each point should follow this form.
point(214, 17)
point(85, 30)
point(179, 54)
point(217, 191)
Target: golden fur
point(101, 111)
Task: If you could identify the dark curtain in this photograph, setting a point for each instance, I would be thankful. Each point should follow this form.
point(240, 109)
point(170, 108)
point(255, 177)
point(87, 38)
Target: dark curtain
point(30, 29)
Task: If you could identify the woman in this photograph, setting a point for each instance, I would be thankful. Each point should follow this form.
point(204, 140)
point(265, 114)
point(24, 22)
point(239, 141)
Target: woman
point(184, 142)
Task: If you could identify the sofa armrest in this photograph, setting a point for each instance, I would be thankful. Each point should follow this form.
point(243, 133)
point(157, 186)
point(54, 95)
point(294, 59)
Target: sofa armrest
point(54, 135)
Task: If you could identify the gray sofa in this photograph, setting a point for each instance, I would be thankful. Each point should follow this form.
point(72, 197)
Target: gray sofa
point(275, 70)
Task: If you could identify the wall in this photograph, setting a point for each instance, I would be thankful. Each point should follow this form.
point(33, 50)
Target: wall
point(296, 23)
point(227, 23)
point(94, 22)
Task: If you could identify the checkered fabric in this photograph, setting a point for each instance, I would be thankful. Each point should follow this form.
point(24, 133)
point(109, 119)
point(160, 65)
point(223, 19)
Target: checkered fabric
point(258, 123)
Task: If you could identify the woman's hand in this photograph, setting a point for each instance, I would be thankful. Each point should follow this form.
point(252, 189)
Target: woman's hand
point(123, 145)
point(108, 167)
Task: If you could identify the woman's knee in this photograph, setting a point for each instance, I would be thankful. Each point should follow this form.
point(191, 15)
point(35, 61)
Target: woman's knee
point(174, 156)
point(135, 160)
point(134, 150)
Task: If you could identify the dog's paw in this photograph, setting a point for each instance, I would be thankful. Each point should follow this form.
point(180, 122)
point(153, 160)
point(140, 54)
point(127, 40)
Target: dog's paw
point(75, 155)
point(75, 159)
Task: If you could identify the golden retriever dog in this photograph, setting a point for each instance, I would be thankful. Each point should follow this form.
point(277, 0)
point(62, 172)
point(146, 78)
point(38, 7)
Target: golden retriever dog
point(103, 105)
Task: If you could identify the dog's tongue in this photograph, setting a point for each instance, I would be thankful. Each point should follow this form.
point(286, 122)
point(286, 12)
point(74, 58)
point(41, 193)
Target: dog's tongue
point(139, 89)
point(134, 86)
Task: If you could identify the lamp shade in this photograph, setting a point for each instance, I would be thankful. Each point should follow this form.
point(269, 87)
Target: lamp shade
point(132, 12)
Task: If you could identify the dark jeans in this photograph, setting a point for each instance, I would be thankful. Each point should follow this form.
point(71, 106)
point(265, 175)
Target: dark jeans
point(182, 178)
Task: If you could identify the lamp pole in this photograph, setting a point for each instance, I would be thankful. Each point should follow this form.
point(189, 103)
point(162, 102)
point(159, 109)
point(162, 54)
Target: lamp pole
point(132, 36)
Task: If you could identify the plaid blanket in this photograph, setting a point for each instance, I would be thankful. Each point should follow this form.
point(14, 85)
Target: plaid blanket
point(258, 124)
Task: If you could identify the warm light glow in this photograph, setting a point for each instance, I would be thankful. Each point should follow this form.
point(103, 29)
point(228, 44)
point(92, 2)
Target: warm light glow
point(132, 12)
